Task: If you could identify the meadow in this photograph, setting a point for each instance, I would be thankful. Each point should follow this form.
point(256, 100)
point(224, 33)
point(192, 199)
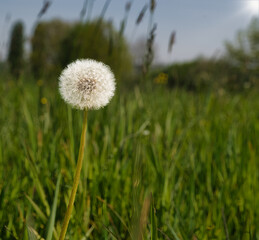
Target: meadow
point(160, 164)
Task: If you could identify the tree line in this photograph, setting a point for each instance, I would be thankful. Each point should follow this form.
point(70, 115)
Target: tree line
point(56, 43)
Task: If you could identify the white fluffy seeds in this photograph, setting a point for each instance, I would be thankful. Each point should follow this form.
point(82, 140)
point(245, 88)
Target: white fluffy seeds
point(87, 84)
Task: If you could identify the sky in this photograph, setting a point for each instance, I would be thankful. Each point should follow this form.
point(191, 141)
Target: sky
point(201, 26)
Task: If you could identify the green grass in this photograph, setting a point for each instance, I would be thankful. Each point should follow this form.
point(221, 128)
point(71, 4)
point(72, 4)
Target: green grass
point(186, 164)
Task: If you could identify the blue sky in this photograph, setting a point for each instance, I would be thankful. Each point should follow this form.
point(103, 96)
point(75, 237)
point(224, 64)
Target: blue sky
point(201, 26)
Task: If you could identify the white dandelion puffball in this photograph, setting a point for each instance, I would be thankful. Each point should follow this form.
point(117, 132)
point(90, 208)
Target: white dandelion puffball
point(87, 84)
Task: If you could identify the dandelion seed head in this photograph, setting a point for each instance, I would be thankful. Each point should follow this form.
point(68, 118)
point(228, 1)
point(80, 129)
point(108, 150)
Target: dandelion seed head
point(87, 84)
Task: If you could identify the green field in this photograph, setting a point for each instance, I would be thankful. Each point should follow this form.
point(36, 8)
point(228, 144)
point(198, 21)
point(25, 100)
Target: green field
point(170, 164)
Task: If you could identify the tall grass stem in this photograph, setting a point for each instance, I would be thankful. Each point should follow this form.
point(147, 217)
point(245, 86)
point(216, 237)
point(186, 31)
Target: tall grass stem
point(76, 179)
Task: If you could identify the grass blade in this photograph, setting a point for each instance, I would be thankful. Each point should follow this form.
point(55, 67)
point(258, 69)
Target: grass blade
point(173, 232)
point(37, 209)
point(32, 233)
point(153, 223)
point(39, 187)
point(52, 217)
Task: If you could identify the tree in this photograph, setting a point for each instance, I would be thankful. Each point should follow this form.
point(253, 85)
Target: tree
point(243, 56)
point(45, 44)
point(16, 50)
point(100, 41)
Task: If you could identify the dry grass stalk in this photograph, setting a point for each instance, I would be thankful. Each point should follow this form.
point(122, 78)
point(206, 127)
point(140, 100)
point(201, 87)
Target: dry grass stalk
point(152, 5)
point(171, 41)
point(141, 14)
point(144, 216)
point(83, 11)
point(149, 53)
point(44, 8)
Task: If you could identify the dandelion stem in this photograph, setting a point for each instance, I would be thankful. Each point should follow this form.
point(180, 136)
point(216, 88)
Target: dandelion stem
point(76, 179)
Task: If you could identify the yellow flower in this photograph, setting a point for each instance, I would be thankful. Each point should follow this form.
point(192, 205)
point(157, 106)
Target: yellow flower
point(44, 101)
point(162, 78)
point(40, 82)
